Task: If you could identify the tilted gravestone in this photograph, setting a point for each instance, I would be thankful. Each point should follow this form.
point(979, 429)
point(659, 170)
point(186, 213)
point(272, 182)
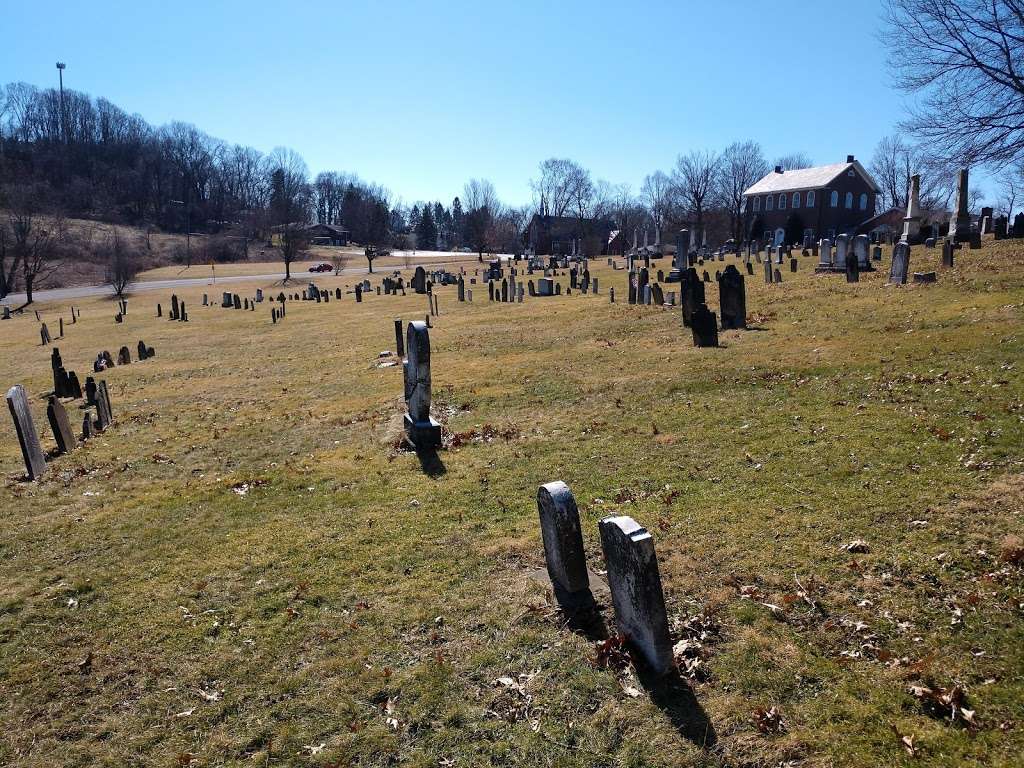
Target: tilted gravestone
point(635, 584)
point(704, 325)
point(900, 264)
point(74, 388)
point(421, 429)
point(563, 538)
point(44, 334)
point(28, 438)
point(104, 416)
point(60, 425)
point(732, 298)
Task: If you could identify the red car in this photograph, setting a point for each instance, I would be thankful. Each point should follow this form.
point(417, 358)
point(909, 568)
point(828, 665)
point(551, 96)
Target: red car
point(325, 267)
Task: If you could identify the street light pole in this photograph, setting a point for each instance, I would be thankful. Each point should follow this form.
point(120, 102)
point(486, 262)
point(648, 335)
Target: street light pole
point(63, 120)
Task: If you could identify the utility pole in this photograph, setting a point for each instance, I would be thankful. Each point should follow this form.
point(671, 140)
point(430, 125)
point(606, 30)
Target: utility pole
point(63, 118)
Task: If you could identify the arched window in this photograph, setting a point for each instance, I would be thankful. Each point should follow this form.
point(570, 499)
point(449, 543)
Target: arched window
point(834, 199)
point(863, 201)
point(782, 202)
point(757, 204)
point(768, 202)
point(849, 200)
point(810, 199)
point(796, 199)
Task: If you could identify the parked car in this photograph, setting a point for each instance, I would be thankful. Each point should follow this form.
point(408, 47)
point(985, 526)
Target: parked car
point(324, 267)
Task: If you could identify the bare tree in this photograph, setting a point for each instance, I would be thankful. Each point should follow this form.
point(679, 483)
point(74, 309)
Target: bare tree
point(1011, 188)
point(657, 193)
point(35, 239)
point(559, 186)
point(340, 260)
point(695, 178)
point(964, 61)
point(895, 161)
point(743, 165)
point(289, 203)
point(482, 206)
point(122, 264)
point(794, 161)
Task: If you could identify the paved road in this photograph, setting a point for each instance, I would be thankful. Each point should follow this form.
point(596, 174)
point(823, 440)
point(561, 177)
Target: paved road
point(84, 291)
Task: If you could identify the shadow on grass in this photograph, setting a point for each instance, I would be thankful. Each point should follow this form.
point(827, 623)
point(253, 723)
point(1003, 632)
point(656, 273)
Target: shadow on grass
point(430, 462)
point(582, 613)
point(673, 696)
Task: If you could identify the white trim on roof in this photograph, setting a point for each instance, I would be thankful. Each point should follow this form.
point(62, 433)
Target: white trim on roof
point(808, 178)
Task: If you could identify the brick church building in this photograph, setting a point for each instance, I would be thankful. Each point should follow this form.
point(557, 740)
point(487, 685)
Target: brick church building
point(825, 201)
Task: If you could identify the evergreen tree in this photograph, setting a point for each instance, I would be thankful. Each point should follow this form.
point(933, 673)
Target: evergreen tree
point(414, 218)
point(426, 230)
point(458, 221)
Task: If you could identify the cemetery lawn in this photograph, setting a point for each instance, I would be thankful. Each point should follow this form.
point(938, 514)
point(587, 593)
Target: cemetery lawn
point(246, 570)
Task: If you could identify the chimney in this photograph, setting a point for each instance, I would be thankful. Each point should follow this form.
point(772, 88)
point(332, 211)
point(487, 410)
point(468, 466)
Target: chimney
point(778, 169)
point(849, 158)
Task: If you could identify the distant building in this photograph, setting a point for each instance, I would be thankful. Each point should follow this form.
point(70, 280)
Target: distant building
point(555, 235)
point(327, 234)
point(821, 202)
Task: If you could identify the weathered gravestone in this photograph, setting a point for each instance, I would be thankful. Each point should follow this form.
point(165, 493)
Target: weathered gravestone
point(104, 415)
point(419, 280)
point(563, 539)
point(691, 294)
point(852, 267)
point(635, 585)
point(399, 338)
point(657, 295)
point(90, 390)
point(174, 307)
point(947, 253)
point(900, 264)
point(60, 425)
point(732, 299)
point(44, 334)
point(777, 276)
point(74, 388)
point(768, 274)
point(704, 327)
point(422, 430)
point(124, 357)
point(924, 277)
point(28, 438)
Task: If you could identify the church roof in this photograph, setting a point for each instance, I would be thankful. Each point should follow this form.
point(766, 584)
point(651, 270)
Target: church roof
point(808, 178)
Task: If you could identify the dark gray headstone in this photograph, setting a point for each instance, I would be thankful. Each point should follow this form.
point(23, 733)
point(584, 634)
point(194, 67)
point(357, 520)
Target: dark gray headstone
point(732, 297)
point(104, 416)
point(28, 438)
point(704, 325)
point(61, 426)
point(421, 429)
point(852, 267)
point(691, 294)
point(563, 537)
point(635, 584)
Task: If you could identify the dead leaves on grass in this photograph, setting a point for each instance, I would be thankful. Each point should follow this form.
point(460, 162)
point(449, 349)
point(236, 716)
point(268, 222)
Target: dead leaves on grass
point(769, 721)
point(944, 703)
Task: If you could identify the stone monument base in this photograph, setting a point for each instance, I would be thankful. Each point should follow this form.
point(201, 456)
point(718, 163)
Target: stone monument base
point(423, 434)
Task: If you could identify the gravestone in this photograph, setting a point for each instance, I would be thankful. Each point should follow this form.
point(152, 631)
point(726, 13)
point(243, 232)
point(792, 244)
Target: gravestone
point(419, 280)
point(44, 334)
point(862, 249)
point(88, 430)
point(462, 289)
point(563, 538)
point(732, 299)
point(947, 253)
point(28, 438)
point(768, 274)
point(777, 276)
point(142, 352)
point(399, 338)
point(635, 584)
point(60, 425)
point(924, 277)
point(422, 430)
point(103, 413)
point(90, 390)
point(792, 265)
point(124, 357)
point(174, 307)
point(691, 294)
point(206, 300)
point(852, 267)
point(929, 242)
point(359, 293)
point(704, 327)
point(74, 388)
point(842, 248)
point(825, 253)
point(900, 264)
point(657, 295)
point(750, 267)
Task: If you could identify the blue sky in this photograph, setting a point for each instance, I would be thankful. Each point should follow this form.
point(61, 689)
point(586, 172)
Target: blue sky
point(421, 97)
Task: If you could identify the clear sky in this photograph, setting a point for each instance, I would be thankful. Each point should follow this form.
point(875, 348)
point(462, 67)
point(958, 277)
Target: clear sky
point(422, 96)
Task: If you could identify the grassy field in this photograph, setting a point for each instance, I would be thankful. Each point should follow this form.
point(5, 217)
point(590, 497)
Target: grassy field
point(247, 570)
